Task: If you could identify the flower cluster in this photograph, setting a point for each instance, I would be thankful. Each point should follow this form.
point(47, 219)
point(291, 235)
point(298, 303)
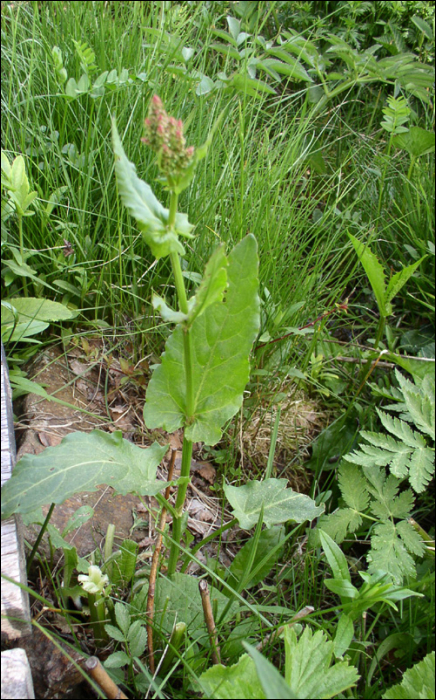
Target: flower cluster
point(94, 582)
point(164, 134)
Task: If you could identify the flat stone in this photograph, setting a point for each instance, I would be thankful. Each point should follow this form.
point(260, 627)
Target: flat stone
point(15, 675)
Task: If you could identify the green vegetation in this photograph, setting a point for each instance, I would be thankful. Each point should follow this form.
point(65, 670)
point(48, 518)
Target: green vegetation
point(305, 197)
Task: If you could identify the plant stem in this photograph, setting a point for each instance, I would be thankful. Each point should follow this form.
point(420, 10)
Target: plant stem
point(20, 238)
point(188, 362)
point(39, 538)
point(96, 611)
point(180, 500)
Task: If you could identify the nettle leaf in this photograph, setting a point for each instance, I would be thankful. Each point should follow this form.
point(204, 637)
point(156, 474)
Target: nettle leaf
point(375, 273)
point(82, 462)
point(308, 666)
point(238, 681)
point(221, 339)
point(152, 218)
point(418, 681)
point(279, 503)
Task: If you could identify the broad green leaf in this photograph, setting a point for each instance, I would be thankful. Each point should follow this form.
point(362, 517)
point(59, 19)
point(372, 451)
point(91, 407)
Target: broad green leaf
point(221, 341)
point(417, 142)
point(152, 218)
point(138, 641)
point(115, 633)
point(234, 26)
point(288, 65)
point(237, 681)
point(418, 681)
point(400, 278)
point(205, 86)
point(79, 518)
point(178, 600)
point(335, 557)
point(122, 617)
point(344, 635)
point(12, 332)
point(274, 686)
point(375, 274)
point(82, 462)
point(268, 540)
point(41, 309)
point(308, 667)
point(279, 503)
point(212, 285)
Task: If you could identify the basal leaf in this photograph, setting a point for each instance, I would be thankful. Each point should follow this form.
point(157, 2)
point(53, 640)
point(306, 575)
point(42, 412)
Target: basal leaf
point(417, 682)
point(308, 666)
point(335, 557)
point(344, 635)
point(279, 503)
point(375, 273)
point(237, 681)
point(221, 340)
point(40, 309)
point(81, 462)
point(152, 218)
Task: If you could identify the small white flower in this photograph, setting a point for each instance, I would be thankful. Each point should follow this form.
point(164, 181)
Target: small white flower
point(94, 581)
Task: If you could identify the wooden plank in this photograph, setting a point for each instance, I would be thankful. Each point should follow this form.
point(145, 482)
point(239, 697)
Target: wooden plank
point(14, 601)
point(16, 675)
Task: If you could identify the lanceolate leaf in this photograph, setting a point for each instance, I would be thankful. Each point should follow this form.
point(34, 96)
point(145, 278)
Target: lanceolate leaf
point(279, 503)
point(152, 218)
point(375, 273)
point(221, 339)
point(81, 462)
point(400, 278)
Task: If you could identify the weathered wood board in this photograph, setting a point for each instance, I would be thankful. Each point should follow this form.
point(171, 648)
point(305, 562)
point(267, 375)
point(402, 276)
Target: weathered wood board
point(16, 680)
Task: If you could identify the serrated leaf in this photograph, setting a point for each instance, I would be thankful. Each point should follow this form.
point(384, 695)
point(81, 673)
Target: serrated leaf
point(400, 278)
point(117, 660)
point(411, 538)
point(221, 340)
point(374, 271)
point(267, 542)
point(388, 553)
point(238, 681)
point(212, 285)
point(339, 523)
point(122, 617)
point(420, 406)
point(137, 638)
point(344, 635)
point(354, 487)
point(417, 682)
point(308, 667)
point(335, 557)
point(82, 462)
point(115, 633)
point(401, 430)
point(279, 503)
point(152, 218)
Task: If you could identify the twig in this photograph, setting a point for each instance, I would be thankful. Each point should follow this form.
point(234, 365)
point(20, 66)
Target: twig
point(154, 569)
point(210, 622)
point(270, 638)
point(100, 676)
point(358, 361)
